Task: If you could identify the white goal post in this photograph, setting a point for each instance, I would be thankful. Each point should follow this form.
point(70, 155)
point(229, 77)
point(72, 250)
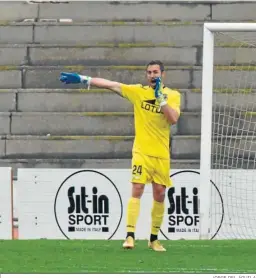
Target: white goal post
point(211, 30)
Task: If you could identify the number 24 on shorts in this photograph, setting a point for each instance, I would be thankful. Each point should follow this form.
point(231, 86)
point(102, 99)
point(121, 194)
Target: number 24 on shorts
point(137, 169)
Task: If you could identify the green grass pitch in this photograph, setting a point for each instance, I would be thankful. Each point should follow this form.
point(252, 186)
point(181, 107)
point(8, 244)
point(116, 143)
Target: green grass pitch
point(103, 256)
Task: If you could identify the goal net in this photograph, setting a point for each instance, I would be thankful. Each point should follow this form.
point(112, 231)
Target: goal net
point(232, 151)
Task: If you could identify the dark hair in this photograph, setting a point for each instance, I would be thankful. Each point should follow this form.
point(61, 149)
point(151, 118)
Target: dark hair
point(156, 62)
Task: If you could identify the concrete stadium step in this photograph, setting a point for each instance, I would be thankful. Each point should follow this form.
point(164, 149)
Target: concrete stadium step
point(225, 123)
point(80, 11)
point(56, 147)
point(177, 76)
point(118, 54)
point(239, 98)
point(172, 33)
point(117, 123)
point(90, 123)
point(87, 147)
point(48, 76)
point(98, 54)
point(67, 100)
point(87, 123)
point(155, 11)
point(82, 100)
point(104, 32)
point(62, 100)
point(126, 10)
point(116, 147)
point(100, 100)
point(236, 149)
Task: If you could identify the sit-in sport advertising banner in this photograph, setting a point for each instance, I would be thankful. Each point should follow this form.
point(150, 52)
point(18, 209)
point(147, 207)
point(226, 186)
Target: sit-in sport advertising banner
point(91, 204)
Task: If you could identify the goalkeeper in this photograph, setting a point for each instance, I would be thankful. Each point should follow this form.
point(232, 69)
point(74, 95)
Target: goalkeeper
point(156, 107)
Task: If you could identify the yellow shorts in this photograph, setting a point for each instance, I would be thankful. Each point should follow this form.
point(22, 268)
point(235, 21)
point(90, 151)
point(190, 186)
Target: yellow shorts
point(148, 169)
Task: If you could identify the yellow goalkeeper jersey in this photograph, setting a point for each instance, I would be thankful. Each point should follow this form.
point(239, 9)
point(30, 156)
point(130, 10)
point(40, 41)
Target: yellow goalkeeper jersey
point(152, 130)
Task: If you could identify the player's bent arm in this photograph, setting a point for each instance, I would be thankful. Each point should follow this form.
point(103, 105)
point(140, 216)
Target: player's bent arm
point(171, 114)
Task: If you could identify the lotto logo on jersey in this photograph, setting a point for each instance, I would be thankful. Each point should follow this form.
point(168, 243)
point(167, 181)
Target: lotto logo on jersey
point(84, 206)
point(149, 105)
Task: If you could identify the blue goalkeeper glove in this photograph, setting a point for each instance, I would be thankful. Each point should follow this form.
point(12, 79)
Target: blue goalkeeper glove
point(74, 78)
point(158, 92)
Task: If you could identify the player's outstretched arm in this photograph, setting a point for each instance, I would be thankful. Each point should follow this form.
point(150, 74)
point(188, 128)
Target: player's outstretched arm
point(73, 78)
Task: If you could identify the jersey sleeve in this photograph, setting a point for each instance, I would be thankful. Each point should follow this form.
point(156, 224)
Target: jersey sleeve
point(174, 101)
point(130, 92)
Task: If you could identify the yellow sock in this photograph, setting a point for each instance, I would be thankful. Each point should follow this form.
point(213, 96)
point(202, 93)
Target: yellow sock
point(133, 211)
point(157, 215)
